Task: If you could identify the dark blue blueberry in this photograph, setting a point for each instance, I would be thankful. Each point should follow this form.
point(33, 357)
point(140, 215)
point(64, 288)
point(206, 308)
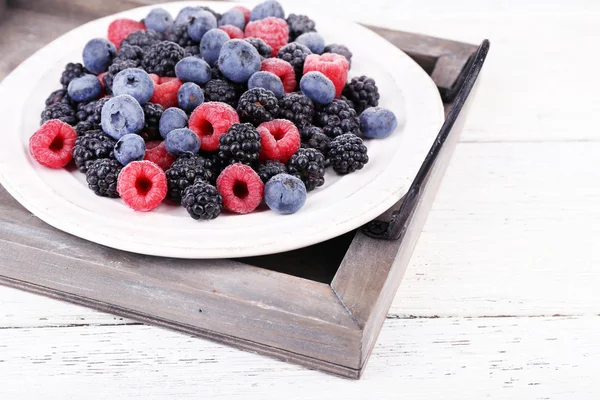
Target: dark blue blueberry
point(190, 96)
point(377, 122)
point(193, 69)
point(238, 60)
point(130, 147)
point(269, 8)
point(186, 14)
point(317, 87)
point(285, 194)
point(266, 80)
point(313, 41)
point(85, 88)
point(158, 20)
point(182, 141)
point(122, 115)
point(98, 55)
point(233, 17)
point(201, 23)
point(134, 82)
point(172, 118)
point(210, 45)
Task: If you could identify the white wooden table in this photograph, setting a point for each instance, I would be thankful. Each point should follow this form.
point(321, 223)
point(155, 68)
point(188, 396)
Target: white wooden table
point(502, 298)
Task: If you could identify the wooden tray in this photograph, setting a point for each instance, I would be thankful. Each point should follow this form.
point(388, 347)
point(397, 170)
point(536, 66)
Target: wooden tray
point(322, 306)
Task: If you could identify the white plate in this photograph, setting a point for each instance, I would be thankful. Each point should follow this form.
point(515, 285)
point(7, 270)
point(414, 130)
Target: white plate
point(61, 198)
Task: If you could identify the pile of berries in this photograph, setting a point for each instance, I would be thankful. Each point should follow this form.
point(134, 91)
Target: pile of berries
point(214, 112)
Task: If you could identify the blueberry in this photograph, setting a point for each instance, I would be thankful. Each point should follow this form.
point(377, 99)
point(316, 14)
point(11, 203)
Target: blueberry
point(211, 43)
point(377, 122)
point(190, 96)
point(285, 194)
point(122, 115)
point(130, 147)
point(172, 118)
point(193, 69)
point(134, 82)
point(313, 41)
point(158, 20)
point(98, 55)
point(85, 88)
point(186, 14)
point(201, 23)
point(238, 60)
point(269, 8)
point(233, 17)
point(182, 141)
point(317, 87)
point(266, 80)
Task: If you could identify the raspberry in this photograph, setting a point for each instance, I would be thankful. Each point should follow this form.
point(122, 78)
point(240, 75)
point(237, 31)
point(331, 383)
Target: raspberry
point(210, 121)
point(283, 70)
point(333, 66)
point(280, 139)
point(157, 153)
point(233, 31)
point(165, 92)
point(339, 49)
point(241, 188)
point(274, 31)
point(155, 78)
point(258, 105)
point(202, 201)
point(245, 10)
point(52, 144)
point(119, 29)
point(142, 185)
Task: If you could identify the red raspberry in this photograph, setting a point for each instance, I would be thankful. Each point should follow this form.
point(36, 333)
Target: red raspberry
point(142, 185)
point(52, 144)
point(210, 121)
point(233, 31)
point(283, 70)
point(274, 31)
point(155, 78)
point(241, 188)
point(119, 29)
point(157, 153)
point(333, 66)
point(245, 10)
point(280, 139)
point(165, 92)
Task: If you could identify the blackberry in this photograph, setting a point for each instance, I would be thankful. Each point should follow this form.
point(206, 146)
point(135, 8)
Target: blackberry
point(320, 141)
point(114, 69)
point(143, 39)
point(185, 171)
point(241, 144)
point(269, 169)
point(61, 111)
point(72, 71)
point(91, 111)
point(297, 108)
point(299, 24)
point(202, 201)
point(339, 49)
point(84, 127)
point(308, 165)
point(295, 54)
point(240, 88)
point(102, 175)
point(362, 92)
point(160, 58)
point(127, 52)
point(347, 153)
point(178, 33)
point(337, 118)
point(263, 49)
point(59, 96)
point(190, 51)
point(258, 105)
point(307, 131)
point(221, 90)
point(347, 101)
point(94, 145)
point(152, 114)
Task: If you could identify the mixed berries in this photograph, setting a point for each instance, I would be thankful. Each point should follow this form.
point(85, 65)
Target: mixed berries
point(218, 113)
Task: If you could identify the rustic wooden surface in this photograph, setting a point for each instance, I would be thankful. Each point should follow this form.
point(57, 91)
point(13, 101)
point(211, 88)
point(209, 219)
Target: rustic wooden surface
point(500, 299)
